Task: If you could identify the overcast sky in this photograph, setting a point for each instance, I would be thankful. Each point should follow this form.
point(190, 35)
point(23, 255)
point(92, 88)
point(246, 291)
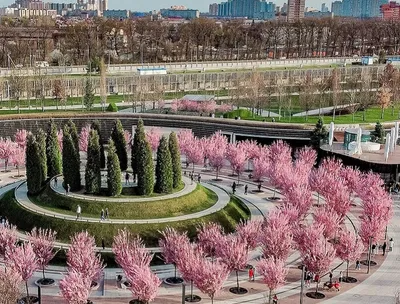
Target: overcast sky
point(148, 5)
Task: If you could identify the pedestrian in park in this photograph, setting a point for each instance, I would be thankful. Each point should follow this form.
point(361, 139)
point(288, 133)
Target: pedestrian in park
point(373, 249)
point(358, 265)
point(308, 279)
point(55, 181)
point(391, 244)
point(127, 176)
point(234, 187)
point(106, 214)
point(245, 189)
point(259, 187)
point(68, 188)
point(102, 215)
point(330, 277)
point(340, 277)
point(191, 178)
point(251, 273)
point(275, 299)
point(316, 278)
point(103, 244)
point(199, 178)
point(383, 248)
point(78, 212)
point(336, 285)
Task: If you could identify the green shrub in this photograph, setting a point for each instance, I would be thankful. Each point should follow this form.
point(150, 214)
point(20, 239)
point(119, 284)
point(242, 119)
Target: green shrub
point(41, 140)
point(164, 175)
point(33, 166)
point(54, 164)
point(243, 113)
point(118, 137)
point(113, 171)
point(112, 107)
point(93, 170)
point(145, 168)
point(176, 159)
point(70, 161)
point(96, 126)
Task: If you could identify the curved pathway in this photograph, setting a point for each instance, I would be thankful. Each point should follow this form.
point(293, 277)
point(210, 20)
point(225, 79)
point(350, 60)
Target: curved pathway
point(59, 190)
point(22, 198)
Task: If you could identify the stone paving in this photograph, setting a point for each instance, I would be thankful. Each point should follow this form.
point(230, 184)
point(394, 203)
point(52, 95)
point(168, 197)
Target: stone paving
point(380, 286)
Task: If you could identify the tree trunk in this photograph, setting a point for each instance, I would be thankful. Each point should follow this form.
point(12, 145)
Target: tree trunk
point(237, 280)
point(270, 296)
point(175, 271)
point(42, 269)
point(28, 299)
point(191, 290)
point(347, 270)
point(382, 113)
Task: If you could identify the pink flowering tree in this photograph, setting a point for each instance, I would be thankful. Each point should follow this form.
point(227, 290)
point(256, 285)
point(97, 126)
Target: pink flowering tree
point(209, 237)
point(60, 138)
point(153, 136)
point(22, 259)
point(128, 139)
point(261, 164)
point(194, 152)
point(216, 151)
point(210, 277)
point(225, 107)
point(170, 245)
point(135, 260)
point(329, 219)
point(298, 196)
point(232, 251)
point(82, 258)
point(349, 249)
point(249, 231)
point(75, 289)
point(276, 236)
point(42, 241)
point(17, 159)
point(237, 158)
point(10, 281)
point(7, 149)
point(273, 273)
point(8, 238)
point(185, 138)
point(84, 138)
point(20, 138)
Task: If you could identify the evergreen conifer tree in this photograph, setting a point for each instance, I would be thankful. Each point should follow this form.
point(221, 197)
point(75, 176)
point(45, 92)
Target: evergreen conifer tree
point(379, 133)
point(139, 136)
point(88, 98)
point(117, 135)
point(164, 174)
point(145, 168)
point(41, 140)
point(114, 183)
point(73, 131)
point(93, 170)
point(70, 161)
point(53, 153)
point(319, 133)
point(33, 166)
point(96, 126)
point(175, 158)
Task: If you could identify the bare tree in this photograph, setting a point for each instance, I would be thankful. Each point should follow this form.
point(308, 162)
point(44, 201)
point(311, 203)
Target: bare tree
point(17, 85)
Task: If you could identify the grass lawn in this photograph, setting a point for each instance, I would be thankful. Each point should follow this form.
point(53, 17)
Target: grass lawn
point(25, 220)
point(200, 199)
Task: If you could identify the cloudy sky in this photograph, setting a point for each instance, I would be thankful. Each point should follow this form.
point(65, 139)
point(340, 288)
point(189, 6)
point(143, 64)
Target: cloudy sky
point(148, 5)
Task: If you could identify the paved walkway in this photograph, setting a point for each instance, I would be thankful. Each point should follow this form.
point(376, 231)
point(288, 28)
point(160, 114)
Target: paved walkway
point(60, 190)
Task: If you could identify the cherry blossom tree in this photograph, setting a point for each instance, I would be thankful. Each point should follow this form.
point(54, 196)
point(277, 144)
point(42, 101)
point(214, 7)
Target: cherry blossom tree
point(8, 238)
point(210, 277)
point(249, 231)
point(298, 196)
point(305, 160)
point(17, 158)
point(22, 259)
point(7, 149)
point(237, 158)
point(144, 283)
point(82, 258)
point(153, 136)
point(170, 247)
point(273, 273)
point(329, 219)
point(194, 152)
point(84, 138)
point(209, 237)
point(232, 251)
point(261, 164)
point(276, 236)
point(216, 151)
point(20, 138)
point(185, 138)
point(75, 288)
point(349, 249)
point(10, 282)
point(252, 150)
point(42, 241)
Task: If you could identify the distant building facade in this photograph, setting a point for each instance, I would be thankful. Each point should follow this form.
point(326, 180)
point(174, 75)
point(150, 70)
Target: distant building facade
point(358, 8)
point(116, 14)
point(251, 9)
point(295, 10)
point(213, 9)
point(391, 11)
point(180, 13)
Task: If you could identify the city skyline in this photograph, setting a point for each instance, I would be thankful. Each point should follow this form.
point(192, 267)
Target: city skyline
point(144, 6)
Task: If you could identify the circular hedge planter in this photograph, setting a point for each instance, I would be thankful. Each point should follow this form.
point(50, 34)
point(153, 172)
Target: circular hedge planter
point(371, 263)
point(45, 282)
point(349, 280)
point(315, 295)
point(237, 290)
point(32, 299)
point(136, 302)
point(192, 299)
point(173, 281)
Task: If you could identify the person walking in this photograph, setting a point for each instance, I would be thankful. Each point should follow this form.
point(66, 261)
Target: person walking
point(102, 215)
point(106, 214)
point(373, 249)
point(259, 187)
point(199, 178)
point(191, 178)
point(275, 299)
point(55, 182)
point(308, 279)
point(251, 273)
point(391, 244)
point(383, 248)
point(330, 277)
point(68, 188)
point(78, 212)
point(127, 176)
point(234, 187)
point(103, 244)
point(340, 277)
point(245, 189)
point(358, 265)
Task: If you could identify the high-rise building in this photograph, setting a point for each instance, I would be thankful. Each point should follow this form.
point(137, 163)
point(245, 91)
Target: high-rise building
point(337, 8)
point(358, 8)
point(252, 9)
point(324, 8)
point(390, 11)
point(295, 10)
point(213, 9)
point(284, 8)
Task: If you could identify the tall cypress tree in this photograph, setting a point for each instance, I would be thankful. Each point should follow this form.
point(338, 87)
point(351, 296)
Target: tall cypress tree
point(113, 171)
point(53, 153)
point(145, 168)
point(96, 126)
point(117, 135)
point(74, 134)
point(33, 167)
point(41, 140)
point(71, 161)
point(164, 174)
point(176, 159)
point(139, 136)
point(93, 170)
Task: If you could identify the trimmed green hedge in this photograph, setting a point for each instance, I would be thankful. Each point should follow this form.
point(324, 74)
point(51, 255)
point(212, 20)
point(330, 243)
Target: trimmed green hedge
point(26, 220)
point(112, 107)
point(198, 200)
